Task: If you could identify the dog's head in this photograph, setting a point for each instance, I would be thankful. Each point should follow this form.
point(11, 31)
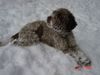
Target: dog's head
point(61, 20)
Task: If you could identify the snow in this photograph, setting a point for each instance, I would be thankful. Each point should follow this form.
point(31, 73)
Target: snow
point(41, 59)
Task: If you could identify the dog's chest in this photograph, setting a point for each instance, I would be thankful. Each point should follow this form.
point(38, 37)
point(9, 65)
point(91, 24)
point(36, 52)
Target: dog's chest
point(53, 39)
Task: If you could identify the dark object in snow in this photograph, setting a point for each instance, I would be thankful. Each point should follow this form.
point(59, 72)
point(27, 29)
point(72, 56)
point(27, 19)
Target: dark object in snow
point(57, 33)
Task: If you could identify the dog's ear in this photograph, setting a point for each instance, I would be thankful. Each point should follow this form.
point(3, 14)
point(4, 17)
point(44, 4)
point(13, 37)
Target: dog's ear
point(72, 23)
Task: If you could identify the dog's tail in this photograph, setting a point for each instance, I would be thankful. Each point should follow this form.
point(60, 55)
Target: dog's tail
point(10, 40)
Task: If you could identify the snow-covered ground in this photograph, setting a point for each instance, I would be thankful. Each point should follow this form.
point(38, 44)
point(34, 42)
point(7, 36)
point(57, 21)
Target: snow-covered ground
point(41, 59)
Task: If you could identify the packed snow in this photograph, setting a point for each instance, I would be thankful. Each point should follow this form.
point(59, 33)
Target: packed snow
point(41, 59)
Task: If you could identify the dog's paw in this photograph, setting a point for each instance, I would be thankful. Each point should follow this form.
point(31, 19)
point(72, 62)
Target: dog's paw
point(84, 62)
